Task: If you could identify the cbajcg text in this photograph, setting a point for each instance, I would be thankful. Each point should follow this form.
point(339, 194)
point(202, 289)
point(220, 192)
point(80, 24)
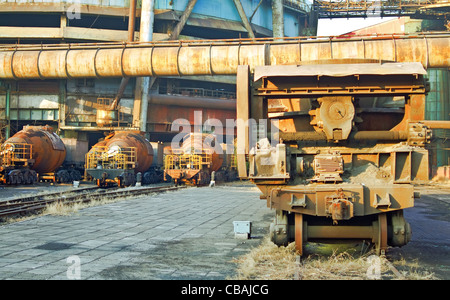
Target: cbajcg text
point(248, 290)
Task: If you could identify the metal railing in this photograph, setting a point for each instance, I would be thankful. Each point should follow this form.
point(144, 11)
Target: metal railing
point(386, 7)
point(300, 5)
point(15, 154)
point(102, 157)
point(198, 92)
point(187, 161)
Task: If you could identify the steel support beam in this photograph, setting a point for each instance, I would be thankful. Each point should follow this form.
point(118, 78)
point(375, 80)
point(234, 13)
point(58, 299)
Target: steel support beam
point(254, 12)
point(242, 116)
point(244, 18)
point(125, 80)
point(183, 19)
point(7, 111)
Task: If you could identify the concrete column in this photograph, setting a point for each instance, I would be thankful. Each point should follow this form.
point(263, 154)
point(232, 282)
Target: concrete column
point(143, 85)
point(147, 20)
point(278, 18)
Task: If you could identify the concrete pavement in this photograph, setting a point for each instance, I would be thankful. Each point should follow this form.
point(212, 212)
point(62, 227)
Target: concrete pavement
point(185, 234)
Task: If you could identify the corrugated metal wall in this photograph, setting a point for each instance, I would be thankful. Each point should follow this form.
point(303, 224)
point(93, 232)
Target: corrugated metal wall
point(438, 108)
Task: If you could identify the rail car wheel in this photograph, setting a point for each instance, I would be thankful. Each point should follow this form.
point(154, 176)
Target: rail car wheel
point(284, 227)
point(279, 234)
point(204, 178)
point(126, 179)
point(62, 176)
point(34, 176)
point(75, 175)
point(19, 178)
point(27, 177)
point(15, 177)
point(11, 179)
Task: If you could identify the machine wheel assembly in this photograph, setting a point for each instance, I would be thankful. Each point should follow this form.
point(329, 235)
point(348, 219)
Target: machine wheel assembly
point(385, 229)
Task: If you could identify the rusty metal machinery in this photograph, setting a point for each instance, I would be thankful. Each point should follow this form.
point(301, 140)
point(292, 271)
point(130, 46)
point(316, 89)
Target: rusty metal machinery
point(194, 161)
point(343, 148)
point(35, 153)
point(199, 160)
point(121, 158)
point(15, 162)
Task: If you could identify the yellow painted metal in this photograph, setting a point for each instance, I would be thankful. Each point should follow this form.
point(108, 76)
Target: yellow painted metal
point(101, 157)
point(187, 161)
point(15, 154)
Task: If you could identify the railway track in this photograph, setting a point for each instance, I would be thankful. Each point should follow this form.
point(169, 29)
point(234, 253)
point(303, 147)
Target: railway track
point(36, 204)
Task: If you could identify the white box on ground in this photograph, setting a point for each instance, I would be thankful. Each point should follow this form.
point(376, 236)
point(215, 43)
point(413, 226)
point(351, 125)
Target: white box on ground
point(242, 229)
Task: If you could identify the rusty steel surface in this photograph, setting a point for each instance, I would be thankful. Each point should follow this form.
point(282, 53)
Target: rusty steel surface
point(340, 78)
point(436, 124)
point(335, 175)
point(337, 70)
point(299, 233)
point(313, 199)
point(49, 151)
point(202, 144)
point(127, 139)
point(181, 174)
point(213, 57)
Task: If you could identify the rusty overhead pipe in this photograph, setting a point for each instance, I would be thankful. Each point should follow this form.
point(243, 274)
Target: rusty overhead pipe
point(215, 57)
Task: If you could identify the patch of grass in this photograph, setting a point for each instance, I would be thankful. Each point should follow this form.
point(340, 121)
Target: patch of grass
point(61, 209)
point(64, 209)
point(270, 262)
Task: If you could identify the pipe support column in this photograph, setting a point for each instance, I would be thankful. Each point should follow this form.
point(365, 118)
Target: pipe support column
point(278, 18)
point(146, 35)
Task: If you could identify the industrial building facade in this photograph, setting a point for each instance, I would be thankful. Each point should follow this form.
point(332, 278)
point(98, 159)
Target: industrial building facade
point(71, 105)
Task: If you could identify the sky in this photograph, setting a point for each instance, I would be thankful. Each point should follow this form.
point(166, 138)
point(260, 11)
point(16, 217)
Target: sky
point(332, 27)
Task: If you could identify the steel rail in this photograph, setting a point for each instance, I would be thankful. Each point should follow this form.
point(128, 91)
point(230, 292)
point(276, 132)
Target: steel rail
point(35, 204)
point(212, 57)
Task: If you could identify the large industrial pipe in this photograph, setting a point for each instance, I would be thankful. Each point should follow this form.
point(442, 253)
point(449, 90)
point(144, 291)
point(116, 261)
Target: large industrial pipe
point(357, 136)
point(437, 124)
point(212, 57)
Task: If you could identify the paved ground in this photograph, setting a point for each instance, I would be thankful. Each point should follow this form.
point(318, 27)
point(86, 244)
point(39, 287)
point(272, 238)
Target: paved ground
point(186, 234)
point(430, 224)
